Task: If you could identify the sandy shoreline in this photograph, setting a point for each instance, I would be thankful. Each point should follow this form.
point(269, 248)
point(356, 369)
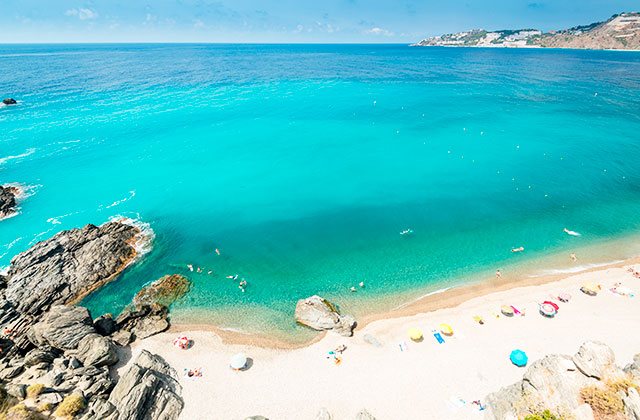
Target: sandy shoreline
point(427, 379)
point(448, 298)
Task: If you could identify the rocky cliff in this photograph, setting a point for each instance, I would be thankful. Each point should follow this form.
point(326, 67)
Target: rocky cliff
point(55, 359)
point(587, 385)
point(619, 32)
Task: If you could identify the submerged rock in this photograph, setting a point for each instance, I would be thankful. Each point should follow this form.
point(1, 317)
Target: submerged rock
point(163, 291)
point(319, 314)
point(7, 200)
point(69, 266)
point(9, 101)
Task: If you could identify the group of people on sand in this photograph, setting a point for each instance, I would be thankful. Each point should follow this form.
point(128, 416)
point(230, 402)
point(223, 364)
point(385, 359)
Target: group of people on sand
point(193, 373)
point(634, 272)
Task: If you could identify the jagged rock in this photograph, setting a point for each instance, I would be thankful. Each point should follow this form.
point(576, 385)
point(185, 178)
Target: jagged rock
point(69, 266)
point(11, 372)
point(18, 391)
point(364, 415)
point(105, 325)
point(74, 363)
point(122, 337)
point(632, 404)
point(256, 418)
point(49, 397)
point(7, 200)
point(556, 380)
point(148, 390)
point(319, 314)
point(9, 101)
point(100, 408)
point(163, 291)
point(595, 359)
point(145, 321)
point(96, 350)
point(37, 356)
point(633, 369)
point(323, 414)
point(63, 327)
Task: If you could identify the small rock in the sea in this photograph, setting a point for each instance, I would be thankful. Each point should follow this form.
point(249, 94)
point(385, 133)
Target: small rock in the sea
point(9, 101)
point(7, 200)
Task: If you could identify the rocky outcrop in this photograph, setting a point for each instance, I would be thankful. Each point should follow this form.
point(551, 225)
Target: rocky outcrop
point(319, 314)
point(148, 390)
point(633, 369)
point(69, 266)
point(7, 200)
point(148, 314)
point(555, 382)
point(9, 101)
point(364, 415)
point(144, 321)
point(163, 291)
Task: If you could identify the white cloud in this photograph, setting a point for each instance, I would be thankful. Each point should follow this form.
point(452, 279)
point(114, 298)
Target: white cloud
point(197, 23)
point(299, 29)
point(82, 13)
point(379, 31)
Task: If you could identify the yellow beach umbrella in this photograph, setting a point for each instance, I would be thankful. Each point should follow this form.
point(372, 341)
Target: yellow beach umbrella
point(507, 310)
point(446, 329)
point(415, 334)
point(590, 288)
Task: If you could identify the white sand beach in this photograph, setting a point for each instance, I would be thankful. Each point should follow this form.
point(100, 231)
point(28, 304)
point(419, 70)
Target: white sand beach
point(427, 380)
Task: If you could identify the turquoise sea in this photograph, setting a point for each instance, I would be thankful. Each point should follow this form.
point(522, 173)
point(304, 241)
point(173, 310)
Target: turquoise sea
point(303, 163)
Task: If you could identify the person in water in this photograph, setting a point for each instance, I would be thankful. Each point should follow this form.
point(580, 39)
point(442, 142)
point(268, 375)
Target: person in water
point(573, 257)
point(498, 274)
point(520, 249)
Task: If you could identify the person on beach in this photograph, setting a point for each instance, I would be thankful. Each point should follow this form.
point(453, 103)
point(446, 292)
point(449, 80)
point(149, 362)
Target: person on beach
point(498, 274)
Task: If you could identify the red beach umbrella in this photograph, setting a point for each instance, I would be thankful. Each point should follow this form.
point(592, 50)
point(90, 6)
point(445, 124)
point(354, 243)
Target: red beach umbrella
point(548, 302)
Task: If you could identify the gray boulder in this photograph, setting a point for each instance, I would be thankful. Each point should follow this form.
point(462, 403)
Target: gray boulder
point(595, 359)
point(633, 369)
point(105, 325)
point(122, 337)
point(63, 327)
point(18, 391)
point(69, 266)
point(7, 200)
point(632, 404)
point(556, 380)
point(148, 390)
point(364, 415)
point(319, 314)
point(144, 321)
point(96, 350)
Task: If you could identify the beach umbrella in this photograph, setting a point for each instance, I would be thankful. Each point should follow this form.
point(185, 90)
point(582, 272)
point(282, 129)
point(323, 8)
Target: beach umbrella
point(548, 302)
point(506, 310)
point(564, 297)
point(415, 334)
point(238, 361)
point(446, 329)
point(181, 342)
point(547, 309)
point(518, 358)
point(590, 289)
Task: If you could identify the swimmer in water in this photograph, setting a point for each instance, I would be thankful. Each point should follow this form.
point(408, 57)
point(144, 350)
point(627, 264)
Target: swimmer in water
point(520, 249)
point(570, 232)
point(361, 284)
point(190, 267)
point(217, 251)
point(498, 274)
point(353, 289)
point(199, 270)
point(573, 257)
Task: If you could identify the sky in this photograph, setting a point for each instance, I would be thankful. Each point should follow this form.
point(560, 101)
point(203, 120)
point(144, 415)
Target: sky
point(285, 21)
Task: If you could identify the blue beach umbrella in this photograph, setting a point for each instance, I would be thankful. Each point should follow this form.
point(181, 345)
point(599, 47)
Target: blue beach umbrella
point(519, 358)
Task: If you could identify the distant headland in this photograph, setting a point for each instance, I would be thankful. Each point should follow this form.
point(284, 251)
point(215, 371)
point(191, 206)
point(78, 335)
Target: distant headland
point(620, 32)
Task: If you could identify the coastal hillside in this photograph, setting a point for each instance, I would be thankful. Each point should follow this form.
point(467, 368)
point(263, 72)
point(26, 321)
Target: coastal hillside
point(621, 31)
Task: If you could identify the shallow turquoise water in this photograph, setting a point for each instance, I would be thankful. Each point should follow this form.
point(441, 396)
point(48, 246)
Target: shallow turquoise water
point(303, 163)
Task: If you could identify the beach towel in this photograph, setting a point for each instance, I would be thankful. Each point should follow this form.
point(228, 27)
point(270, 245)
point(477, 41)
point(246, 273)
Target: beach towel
point(438, 337)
